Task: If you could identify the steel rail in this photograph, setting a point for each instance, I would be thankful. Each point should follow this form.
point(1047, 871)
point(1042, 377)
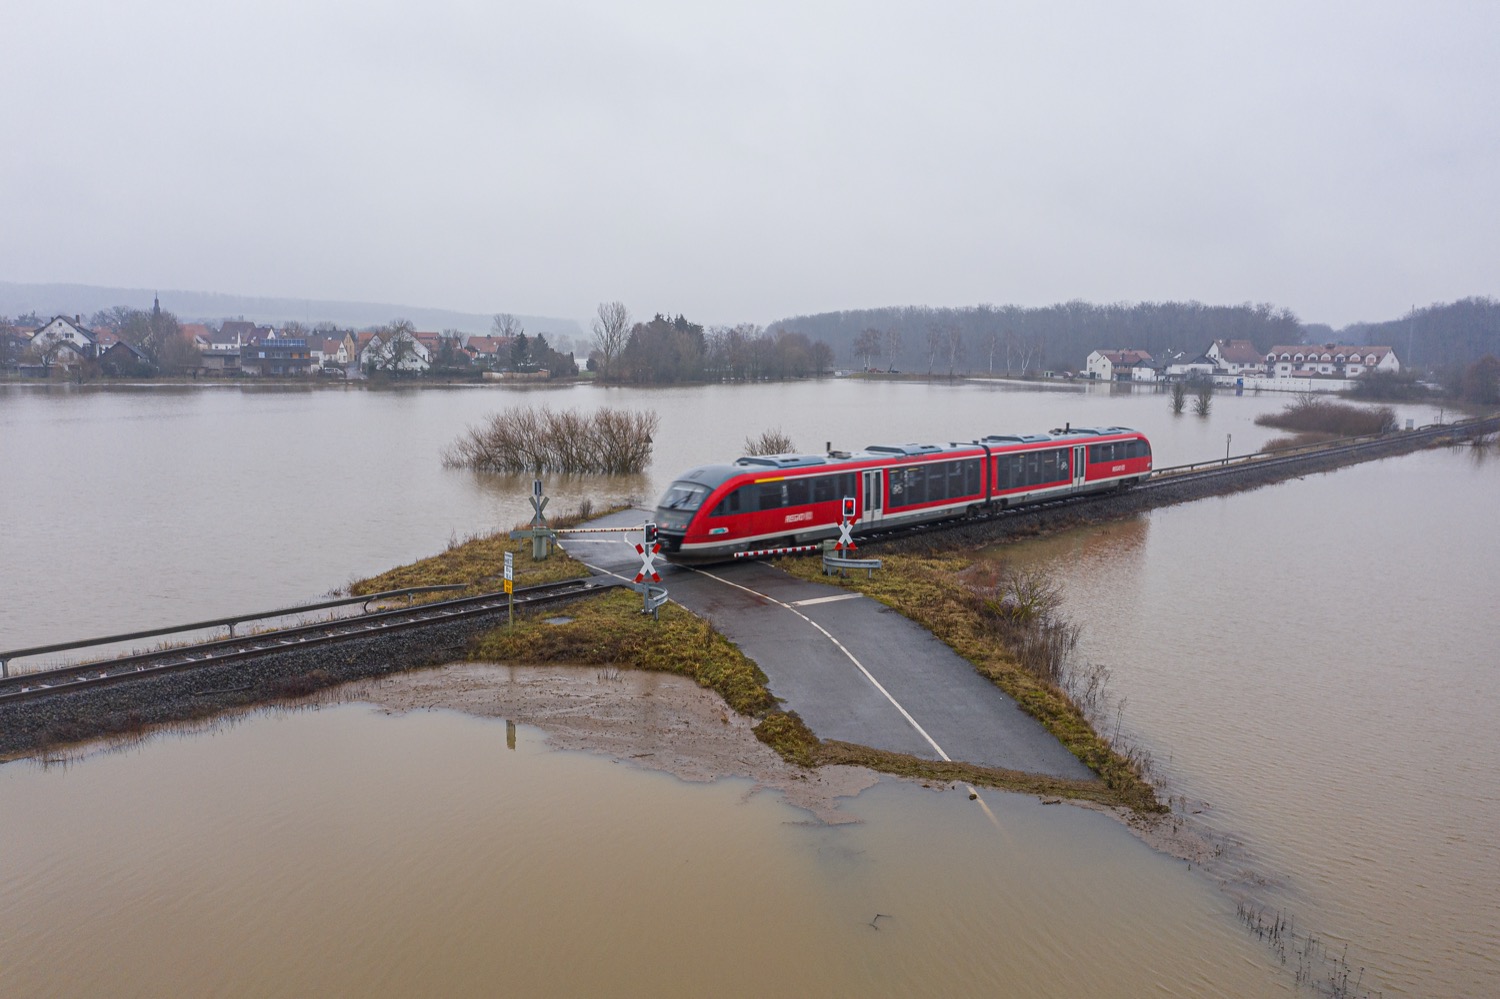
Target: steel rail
point(44, 683)
point(221, 622)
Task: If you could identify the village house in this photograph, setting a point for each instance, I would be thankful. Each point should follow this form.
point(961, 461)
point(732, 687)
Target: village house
point(403, 353)
point(123, 358)
point(1329, 360)
point(13, 344)
point(1121, 366)
point(276, 356)
point(61, 328)
point(1236, 357)
point(489, 352)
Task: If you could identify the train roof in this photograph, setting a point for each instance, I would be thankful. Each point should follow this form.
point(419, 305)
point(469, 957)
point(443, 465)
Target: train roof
point(713, 475)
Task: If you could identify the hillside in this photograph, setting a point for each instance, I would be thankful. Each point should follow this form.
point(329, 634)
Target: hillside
point(197, 306)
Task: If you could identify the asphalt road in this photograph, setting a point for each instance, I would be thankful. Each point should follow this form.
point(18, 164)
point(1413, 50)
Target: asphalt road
point(854, 669)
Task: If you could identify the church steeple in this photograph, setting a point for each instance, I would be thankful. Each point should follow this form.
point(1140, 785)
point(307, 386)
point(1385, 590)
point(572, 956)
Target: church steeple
point(156, 305)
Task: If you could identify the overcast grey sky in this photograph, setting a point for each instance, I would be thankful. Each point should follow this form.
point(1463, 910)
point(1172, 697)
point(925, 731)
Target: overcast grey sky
point(740, 163)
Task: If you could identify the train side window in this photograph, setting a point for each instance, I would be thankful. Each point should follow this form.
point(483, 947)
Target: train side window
point(768, 496)
point(937, 482)
point(797, 492)
point(1059, 464)
point(822, 489)
point(972, 486)
point(728, 505)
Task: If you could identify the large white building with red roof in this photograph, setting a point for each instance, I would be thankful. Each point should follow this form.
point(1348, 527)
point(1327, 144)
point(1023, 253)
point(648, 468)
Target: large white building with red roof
point(1329, 360)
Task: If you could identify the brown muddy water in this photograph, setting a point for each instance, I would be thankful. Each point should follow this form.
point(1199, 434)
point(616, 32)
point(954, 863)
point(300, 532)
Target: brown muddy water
point(340, 851)
point(1316, 667)
point(1315, 661)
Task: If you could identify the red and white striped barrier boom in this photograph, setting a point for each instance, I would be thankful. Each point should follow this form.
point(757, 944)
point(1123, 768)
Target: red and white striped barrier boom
point(792, 550)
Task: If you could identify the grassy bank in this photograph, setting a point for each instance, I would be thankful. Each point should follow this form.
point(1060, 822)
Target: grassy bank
point(479, 563)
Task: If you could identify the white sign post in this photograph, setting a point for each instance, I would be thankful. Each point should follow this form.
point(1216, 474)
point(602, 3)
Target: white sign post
point(510, 575)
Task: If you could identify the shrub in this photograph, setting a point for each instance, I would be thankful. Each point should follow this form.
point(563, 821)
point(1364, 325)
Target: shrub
point(523, 439)
point(770, 442)
point(1311, 414)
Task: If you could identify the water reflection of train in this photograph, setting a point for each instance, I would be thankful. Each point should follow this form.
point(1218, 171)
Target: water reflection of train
point(711, 512)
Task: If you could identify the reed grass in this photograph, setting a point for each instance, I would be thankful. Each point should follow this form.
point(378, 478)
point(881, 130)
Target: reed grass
point(1310, 414)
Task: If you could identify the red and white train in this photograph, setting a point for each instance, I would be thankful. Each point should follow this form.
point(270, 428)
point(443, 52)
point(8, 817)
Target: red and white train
point(711, 512)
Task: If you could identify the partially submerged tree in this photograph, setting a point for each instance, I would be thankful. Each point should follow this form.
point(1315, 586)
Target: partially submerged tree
point(773, 441)
point(523, 439)
point(1203, 397)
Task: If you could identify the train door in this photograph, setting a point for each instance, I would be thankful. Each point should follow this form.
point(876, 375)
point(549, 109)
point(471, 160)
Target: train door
point(1080, 464)
point(873, 493)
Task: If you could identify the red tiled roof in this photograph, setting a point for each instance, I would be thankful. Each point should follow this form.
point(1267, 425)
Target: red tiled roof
point(1239, 351)
point(1125, 358)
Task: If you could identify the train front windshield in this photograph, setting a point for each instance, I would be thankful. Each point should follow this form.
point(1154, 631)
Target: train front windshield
point(683, 496)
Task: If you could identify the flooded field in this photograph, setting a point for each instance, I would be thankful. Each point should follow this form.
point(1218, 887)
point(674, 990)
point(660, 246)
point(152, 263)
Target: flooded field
point(1315, 661)
point(1310, 666)
point(341, 851)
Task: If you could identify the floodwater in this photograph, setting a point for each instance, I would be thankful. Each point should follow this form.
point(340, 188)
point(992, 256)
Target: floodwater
point(1314, 661)
point(338, 851)
point(1317, 662)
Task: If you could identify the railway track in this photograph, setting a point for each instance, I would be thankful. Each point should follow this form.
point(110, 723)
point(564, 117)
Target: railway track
point(130, 668)
point(1178, 475)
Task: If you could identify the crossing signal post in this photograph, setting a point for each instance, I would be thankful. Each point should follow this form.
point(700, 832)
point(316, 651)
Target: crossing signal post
point(836, 555)
point(540, 534)
point(846, 525)
point(652, 596)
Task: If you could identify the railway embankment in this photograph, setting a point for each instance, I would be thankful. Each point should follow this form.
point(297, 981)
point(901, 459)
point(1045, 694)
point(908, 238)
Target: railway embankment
point(31, 726)
point(1169, 490)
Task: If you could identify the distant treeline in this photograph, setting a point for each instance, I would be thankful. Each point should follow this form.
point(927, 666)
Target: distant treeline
point(1442, 337)
point(666, 351)
point(1009, 338)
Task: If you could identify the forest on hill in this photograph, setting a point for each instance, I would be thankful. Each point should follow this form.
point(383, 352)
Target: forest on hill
point(1442, 337)
point(1020, 340)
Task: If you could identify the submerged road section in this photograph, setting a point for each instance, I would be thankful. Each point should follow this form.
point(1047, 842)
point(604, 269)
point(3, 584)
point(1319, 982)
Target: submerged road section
point(852, 668)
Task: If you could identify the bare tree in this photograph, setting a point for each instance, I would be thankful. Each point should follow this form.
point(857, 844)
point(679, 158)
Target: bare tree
point(867, 347)
point(1030, 346)
point(893, 347)
point(398, 344)
point(774, 441)
point(1203, 397)
point(506, 325)
point(611, 333)
point(937, 336)
point(953, 343)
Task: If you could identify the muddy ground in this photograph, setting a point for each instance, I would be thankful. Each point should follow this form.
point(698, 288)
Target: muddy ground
point(652, 720)
point(668, 723)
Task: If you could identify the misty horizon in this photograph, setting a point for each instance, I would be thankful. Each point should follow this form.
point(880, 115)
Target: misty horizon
point(749, 164)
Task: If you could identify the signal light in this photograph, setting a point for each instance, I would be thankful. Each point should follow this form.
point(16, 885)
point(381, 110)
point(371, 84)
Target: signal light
point(650, 534)
point(848, 507)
